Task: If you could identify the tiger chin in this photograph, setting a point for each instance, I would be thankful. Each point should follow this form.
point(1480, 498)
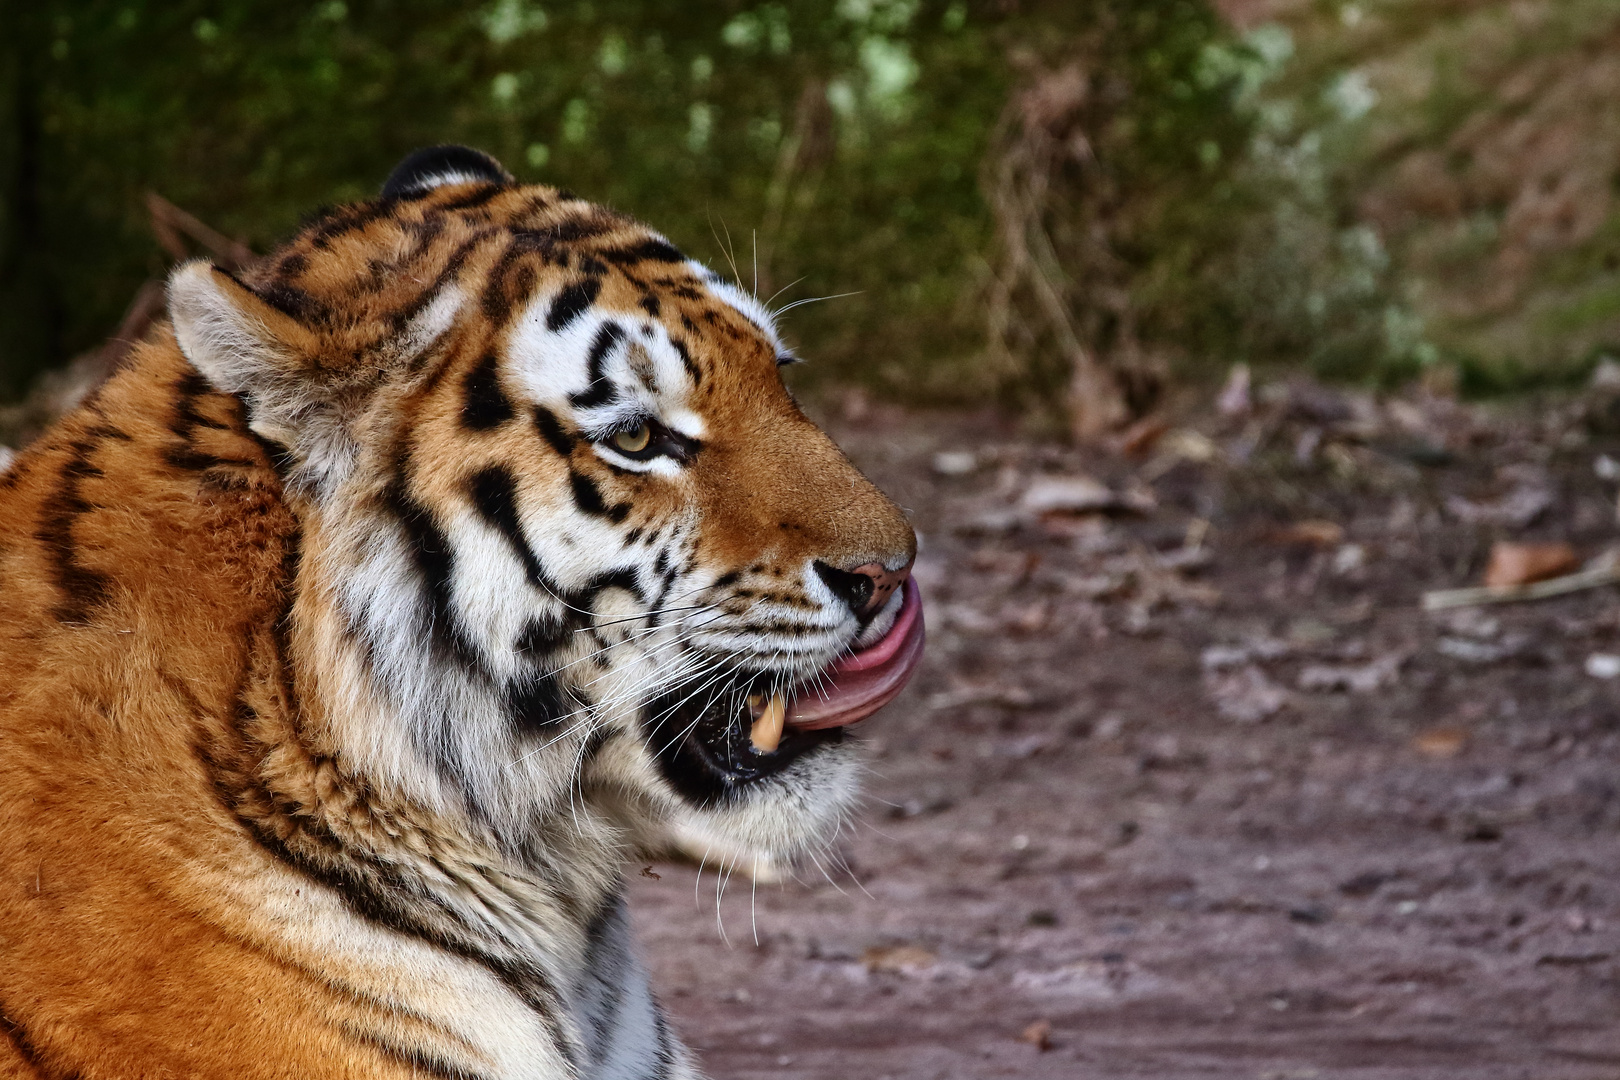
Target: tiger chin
point(392, 595)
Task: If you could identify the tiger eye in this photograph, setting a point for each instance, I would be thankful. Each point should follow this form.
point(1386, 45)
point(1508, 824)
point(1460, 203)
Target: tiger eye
point(633, 441)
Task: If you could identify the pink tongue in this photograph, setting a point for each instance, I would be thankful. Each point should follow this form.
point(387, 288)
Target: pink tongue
point(860, 684)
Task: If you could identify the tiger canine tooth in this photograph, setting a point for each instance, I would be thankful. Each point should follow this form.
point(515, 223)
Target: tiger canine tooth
point(771, 716)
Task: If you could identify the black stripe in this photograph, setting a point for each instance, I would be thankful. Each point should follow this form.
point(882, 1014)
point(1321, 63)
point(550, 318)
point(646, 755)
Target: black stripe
point(606, 338)
point(622, 578)
point(543, 638)
point(666, 1044)
point(588, 497)
point(604, 1018)
point(400, 317)
point(374, 889)
point(447, 358)
point(191, 386)
point(422, 231)
point(508, 279)
point(184, 424)
point(532, 240)
point(600, 390)
point(452, 266)
point(584, 226)
point(686, 360)
point(531, 206)
point(473, 199)
point(380, 893)
point(295, 302)
point(647, 251)
point(83, 590)
point(649, 303)
point(537, 704)
point(571, 303)
point(484, 406)
point(348, 219)
point(417, 1060)
point(28, 1051)
point(551, 430)
point(597, 929)
point(666, 582)
point(494, 493)
point(435, 563)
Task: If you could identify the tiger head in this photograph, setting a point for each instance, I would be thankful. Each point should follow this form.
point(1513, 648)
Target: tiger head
point(569, 547)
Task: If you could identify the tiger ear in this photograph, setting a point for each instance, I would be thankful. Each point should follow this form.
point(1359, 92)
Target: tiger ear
point(435, 166)
point(247, 347)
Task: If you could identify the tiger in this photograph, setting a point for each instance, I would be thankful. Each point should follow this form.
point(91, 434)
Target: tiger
point(395, 595)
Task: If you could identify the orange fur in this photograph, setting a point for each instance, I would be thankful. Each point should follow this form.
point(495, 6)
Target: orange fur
point(181, 786)
point(118, 960)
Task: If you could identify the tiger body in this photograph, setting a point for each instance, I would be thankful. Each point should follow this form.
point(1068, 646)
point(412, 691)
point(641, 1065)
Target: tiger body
point(366, 622)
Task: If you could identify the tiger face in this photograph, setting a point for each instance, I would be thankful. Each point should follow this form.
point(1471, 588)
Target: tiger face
point(568, 544)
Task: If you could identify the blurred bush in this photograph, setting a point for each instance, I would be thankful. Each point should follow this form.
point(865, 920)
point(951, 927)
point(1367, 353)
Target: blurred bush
point(822, 148)
point(1054, 205)
point(1459, 161)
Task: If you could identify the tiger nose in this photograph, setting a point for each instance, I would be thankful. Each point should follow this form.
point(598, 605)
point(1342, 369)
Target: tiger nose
point(865, 588)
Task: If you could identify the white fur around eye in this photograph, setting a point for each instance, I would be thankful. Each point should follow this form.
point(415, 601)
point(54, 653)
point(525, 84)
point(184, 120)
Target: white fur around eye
point(661, 465)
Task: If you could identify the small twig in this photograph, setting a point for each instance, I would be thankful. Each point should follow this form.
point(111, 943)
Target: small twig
point(1441, 599)
point(170, 224)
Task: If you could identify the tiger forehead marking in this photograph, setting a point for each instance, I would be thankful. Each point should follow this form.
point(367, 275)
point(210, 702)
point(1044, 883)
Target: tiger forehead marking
point(466, 546)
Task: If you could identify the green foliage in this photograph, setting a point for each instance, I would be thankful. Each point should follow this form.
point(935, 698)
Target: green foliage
point(1111, 182)
point(823, 147)
point(1472, 147)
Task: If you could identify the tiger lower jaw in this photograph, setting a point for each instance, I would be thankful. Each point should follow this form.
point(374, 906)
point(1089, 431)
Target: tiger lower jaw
point(712, 749)
point(780, 818)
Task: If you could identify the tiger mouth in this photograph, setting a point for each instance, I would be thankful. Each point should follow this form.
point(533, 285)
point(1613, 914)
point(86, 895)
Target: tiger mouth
point(712, 746)
point(706, 748)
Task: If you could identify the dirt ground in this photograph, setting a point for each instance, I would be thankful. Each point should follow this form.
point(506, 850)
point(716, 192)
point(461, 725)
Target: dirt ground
point(1194, 786)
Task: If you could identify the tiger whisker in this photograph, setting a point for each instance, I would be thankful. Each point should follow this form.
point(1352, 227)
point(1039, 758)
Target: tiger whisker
point(785, 308)
point(644, 615)
point(720, 881)
point(673, 708)
point(782, 290)
point(590, 710)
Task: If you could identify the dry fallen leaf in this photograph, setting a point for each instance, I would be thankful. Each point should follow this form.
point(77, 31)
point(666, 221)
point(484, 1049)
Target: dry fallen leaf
point(1038, 1035)
point(903, 959)
point(1521, 564)
point(1323, 534)
point(1141, 436)
point(1441, 742)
